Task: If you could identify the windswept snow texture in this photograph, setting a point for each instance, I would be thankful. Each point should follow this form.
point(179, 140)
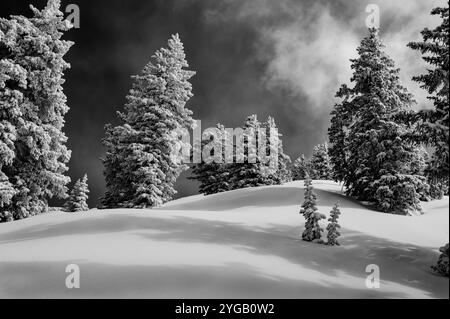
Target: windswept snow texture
point(239, 244)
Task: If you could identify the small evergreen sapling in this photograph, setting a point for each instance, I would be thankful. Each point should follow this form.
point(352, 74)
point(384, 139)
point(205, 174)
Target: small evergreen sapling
point(313, 231)
point(333, 227)
point(78, 196)
point(442, 266)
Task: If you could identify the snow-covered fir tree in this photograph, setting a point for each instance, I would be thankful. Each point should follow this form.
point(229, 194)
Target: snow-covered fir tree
point(33, 154)
point(283, 174)
point(301, 168)
point(442, 266)
point(419, 166)
point(313, 231)
point(140, 165)
point(438, 187)
point(433, 125)
point(254, 168)
point(254, 171)
point(333, 226)
point(77, 201)
point(340, 119)
point(378, 154)
point(320, 162)
point(247, 172)
point(212, 172)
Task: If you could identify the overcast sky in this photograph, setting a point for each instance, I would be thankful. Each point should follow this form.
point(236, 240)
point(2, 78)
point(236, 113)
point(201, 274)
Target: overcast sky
point(284, 58)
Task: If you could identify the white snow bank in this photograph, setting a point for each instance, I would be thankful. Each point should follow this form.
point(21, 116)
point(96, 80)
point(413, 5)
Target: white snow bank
point(239, 244)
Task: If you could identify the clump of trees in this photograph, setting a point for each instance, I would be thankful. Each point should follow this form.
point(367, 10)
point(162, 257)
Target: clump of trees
point(313, 231)
point(251, 163)
point(317, 167)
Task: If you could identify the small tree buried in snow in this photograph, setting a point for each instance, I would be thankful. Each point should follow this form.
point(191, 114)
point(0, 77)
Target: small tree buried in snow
point(313, 231)
point(333, 227)
point(78, 197)
point(442, 266)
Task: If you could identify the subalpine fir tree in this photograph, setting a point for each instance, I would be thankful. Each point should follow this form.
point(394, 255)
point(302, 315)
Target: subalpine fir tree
point(419, 166)
point(249, 172)
point(442, 266)
point(77, 201)
point(254, 170)
point(433, 125)
point(141, 166)
point(301, 168)
point(379, 156)
point(438, 185)
point(283, 174)
point(341, 118)
point(33, 154)
point(333, 226)
point(313, 231)
point(212, 172)
point(320, 162)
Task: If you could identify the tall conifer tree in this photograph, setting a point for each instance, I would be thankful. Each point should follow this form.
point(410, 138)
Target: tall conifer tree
point(320, 162)
point(33, 154)
point(434, 124)
point(140, 164)
point(378, 155)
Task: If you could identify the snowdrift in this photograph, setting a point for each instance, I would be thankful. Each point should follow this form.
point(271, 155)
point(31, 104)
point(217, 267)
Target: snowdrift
point(239, 244)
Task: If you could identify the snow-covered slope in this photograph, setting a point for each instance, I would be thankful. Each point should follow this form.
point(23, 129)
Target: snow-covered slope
point(239, 244)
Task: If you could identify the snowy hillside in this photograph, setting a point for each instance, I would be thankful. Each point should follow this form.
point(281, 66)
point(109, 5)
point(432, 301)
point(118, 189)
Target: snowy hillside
point(239, 244)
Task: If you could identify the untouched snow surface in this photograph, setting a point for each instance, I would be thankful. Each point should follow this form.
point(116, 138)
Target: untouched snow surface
point(239, 244)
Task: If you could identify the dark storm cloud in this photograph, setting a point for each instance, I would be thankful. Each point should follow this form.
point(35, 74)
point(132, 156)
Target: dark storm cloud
point(282, 58)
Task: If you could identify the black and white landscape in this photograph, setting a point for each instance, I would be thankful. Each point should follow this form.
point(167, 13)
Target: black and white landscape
point(224, 149)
